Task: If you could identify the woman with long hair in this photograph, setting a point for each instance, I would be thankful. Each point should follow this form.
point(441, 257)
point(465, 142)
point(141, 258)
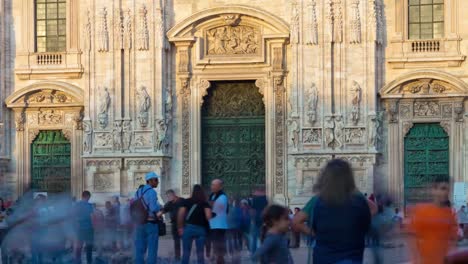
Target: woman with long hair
point(339, 216)
point(192, 223)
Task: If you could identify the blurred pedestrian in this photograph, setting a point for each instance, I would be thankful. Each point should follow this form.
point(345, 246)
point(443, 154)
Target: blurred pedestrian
point(99, 225)
point(274, 247)
point(193, 217)
point(218, 224)
point(337, 241)
point(39, 231)
point(398, 218)
point(258, 204)
point(83, 212)
point(111, 219)
point(296, 236)
point(462, 217)
point(244, 225)
point(433, 226)
point(174, 203)
point(146, 233)
point(234, 234)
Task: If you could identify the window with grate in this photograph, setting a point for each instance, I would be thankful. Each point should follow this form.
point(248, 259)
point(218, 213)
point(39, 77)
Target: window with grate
point(426, 19)
point(50, 25)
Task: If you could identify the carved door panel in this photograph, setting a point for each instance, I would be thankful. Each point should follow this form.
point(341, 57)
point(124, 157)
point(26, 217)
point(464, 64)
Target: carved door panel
point(426, 158)
point(233, 137)
point(50, 159)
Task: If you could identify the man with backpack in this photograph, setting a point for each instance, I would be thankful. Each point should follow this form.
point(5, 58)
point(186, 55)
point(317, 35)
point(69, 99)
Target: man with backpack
point(218, 224)
point(143, 212)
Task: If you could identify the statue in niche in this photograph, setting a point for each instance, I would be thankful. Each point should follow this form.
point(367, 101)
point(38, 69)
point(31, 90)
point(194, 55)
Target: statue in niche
point(356, 96)
point(103, 116)
point(329, 131)
point(294, 133)
point(144, 104)
point(126, 136)
point(161, 130)
point(88, 137)
point(117, 135)
point(312, 103)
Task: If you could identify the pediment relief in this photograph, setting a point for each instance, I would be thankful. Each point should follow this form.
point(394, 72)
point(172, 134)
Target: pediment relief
point(45, 97)
point(425, 87)
point(226, 40)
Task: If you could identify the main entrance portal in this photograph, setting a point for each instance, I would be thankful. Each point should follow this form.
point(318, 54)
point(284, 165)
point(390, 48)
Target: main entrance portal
point(426, 158)
point(50, 162)
point(233, 137)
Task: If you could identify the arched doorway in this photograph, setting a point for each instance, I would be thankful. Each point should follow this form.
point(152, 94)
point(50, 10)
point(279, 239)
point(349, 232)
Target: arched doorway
point(233, 137)
point(51, 164)
point(426, 159)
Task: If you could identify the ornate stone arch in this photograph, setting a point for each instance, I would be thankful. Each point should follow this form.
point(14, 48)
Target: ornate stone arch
point(424, 96)
point(47, 105)
point(256, 50)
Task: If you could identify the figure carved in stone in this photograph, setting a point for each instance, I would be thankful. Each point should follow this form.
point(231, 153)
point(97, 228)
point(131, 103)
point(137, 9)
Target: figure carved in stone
point(354, 135)
point(227, 40)
point(20, 119)
point(392, 110)
point(312, 136)
point(144, 104)
point(294, 38)
point(87, 137)
point(355, 37)
point(458, 109)
point(143, 33)
point(104, 140)
point(140, 141)
point(372, 132)
point(126, 136)
point(339, 132)
point(103, 32)
point(161, 130)
point(312, 26)
point(356, 96)
point(169, 103)
point(102, 181)
point(117, 135)
point(329, 128)
point(294, 133)
point(231, 19)
point(49, 117)
point(427, 108)
point(103, 115)
point(312, 103)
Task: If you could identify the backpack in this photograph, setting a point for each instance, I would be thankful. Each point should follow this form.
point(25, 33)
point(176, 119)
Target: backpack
point(138, 209)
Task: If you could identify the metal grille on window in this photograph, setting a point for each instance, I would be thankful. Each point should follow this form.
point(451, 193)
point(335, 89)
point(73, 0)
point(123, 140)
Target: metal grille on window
point(425, 19)
point(50, 25)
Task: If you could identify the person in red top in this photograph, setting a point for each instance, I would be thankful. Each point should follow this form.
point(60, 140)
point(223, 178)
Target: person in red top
point(433, 226)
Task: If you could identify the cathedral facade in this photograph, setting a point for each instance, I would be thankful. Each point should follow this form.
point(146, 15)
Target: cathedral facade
point(259, 93)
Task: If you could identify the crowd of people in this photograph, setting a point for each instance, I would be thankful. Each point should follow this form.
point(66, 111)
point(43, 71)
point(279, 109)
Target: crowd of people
point(337, 223)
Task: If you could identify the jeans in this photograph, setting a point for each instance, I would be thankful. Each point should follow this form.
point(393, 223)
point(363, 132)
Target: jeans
point(218, 239)
point(176, 238)
point(84, 236)
point(347, 261)
point(146, 237)
point(254, 236)
point(197, 233)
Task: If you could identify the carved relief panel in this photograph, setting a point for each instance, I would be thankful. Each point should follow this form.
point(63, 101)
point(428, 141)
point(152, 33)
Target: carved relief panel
point(307, 172)
point(102, 175)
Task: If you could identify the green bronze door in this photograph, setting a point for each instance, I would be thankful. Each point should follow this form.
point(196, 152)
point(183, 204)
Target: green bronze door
point(233, 137)
point(426, 158)
point(50, 159)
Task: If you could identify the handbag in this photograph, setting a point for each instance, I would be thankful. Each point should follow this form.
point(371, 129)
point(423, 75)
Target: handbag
point(161, 228)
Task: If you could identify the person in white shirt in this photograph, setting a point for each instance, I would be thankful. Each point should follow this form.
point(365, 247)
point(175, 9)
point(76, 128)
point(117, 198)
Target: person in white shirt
point(218, 224)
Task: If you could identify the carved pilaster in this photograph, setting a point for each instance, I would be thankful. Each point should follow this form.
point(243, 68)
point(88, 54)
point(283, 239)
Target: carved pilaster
point(183, 61)
point(355, 37)
point(312, 26)
point(279, 134)
point(103, 31)
point(185, 97)
point(277, 58)
point(142, 37)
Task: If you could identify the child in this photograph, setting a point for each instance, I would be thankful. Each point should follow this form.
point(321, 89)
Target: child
point(274, 247)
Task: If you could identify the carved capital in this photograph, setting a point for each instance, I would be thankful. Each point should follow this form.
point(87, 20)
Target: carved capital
point(203, 88)
point(184, 86)
point(78, 119)
point(20, 119)
point(446, 126)
point(32, 134)
point(392, 111)
point(279, 84)
point(183, 61)
point(458, 109)
point(68, 134)
point(406, 127)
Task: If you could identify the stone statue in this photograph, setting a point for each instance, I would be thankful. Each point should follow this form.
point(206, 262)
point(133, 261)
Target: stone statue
point(329, 131)
point(294, 133)
point(126, 136)
point(312, 103)
point(371, 134)
point(294, 23)
point(356, 94)
point(144, 104)
point(117, 135)
point(339, 131)
point(88, 137)
point(161, 129)
point(169, 103)
point(103, 115)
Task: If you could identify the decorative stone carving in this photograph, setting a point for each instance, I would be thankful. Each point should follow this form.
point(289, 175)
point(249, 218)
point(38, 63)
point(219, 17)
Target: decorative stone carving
point(458, 110)
point(355, 36)
point(20, 119)
point(376, 20)
point(339, 131)
point(447, 111)
point(260, 84)
point(311, 26)
point(426, 108)
point(117, 135)
point(103, 140)
point(335, 20)
point(103, 116)
point(78, 120)
point(356, 97)
point(312, 136)
point(142, 162)
point(103, 32)
point(32, 134)
point(87, 137)
point(104, 163)
point(142, 141)
point(312, 103)
point(426, 86)
point(103, 182)
point(183, 60)
point(231, 19)
point(48, 97)
point(185, 97)
point(161, 135)
point(307, 171)
point(227, 40)
point(294, 31)
point(372, 131)
point(68, 133)
point(128, 28)
point(407, 125)
point(87, 31)
point(49, 117)
point(159, 28)
point(126, 135)
point(354, 135)
point(392, 110)
point(142, 33)
point(277, 58)
point(294, 133)
point(120, 29)
point(279, 92)
point(144, 104)
point(405, 111)
point(168, 104)
point(203, 88)
point(329, 128)
point(446, 126)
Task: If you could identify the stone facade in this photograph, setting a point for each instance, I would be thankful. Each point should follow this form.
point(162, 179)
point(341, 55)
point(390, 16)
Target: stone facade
point(128, 90)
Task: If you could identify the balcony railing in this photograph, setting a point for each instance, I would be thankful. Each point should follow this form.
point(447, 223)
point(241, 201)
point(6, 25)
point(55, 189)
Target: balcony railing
point(49, 58)
point(419, 46)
